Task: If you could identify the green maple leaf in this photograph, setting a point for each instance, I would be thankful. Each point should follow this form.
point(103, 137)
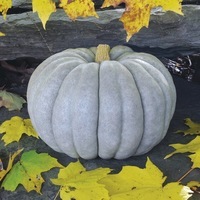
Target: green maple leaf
point(28, 171)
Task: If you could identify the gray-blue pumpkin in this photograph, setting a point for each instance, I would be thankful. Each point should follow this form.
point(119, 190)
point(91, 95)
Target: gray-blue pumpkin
point(115, 108)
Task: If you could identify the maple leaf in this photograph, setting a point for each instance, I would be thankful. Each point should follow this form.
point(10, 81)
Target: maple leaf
point(192, 184)
point(2, 34)
point(137, 12)
point(28, 171)
point(4, 6)
point(10, 100)
point(194, 128)
point(3, 172)
point(77, 183)
point(44, 8)
point(192, 148)
point(141, 184)
point(78, 8)
point(15, 128)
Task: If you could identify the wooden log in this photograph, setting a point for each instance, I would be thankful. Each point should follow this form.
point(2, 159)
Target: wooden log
point(25, 36)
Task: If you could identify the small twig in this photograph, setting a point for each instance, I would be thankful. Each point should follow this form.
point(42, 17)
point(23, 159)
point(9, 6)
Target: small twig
point(12, 68)
point(182, 177)
point(195, 189)
point(43, 38)
point(57, 193)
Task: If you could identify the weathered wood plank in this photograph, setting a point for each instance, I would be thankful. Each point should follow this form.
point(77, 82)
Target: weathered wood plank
point(25, 36)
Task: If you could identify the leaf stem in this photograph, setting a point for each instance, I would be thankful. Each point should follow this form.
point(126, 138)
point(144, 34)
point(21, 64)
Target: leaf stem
point(182, 177)
point(57, 193)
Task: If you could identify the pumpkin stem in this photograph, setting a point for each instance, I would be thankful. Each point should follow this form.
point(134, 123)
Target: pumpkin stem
point(102, 53)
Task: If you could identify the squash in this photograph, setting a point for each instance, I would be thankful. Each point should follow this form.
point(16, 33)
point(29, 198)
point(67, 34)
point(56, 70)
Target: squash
point(115, 107)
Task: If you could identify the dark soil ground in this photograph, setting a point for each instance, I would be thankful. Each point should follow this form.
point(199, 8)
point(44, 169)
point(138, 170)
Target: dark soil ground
point(188, 105)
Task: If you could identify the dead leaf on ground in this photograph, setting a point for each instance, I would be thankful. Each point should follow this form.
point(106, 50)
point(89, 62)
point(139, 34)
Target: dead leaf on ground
point(11, 101)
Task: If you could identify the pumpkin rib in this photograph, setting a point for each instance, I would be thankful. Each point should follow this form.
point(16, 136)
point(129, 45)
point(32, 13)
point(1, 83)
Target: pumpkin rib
point(119, 51)
point(130, 136)
point(43, 70)
point(54, 58)
point(77, 126)
point(93, 50)
point(156, 63)
point(150, 70)
point(110, 132)
point(164, 85)
point(85, 53)
point(85, 125)
point(168, 77)
point(43, 101)
point(153, 124)
point(36, 81)
point(109, 113)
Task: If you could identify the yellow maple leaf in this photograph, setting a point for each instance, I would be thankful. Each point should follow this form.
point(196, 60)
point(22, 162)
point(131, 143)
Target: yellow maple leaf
point(141, 184)
point(192, 148)
point(28, 171)
point(10, 164)
point(77, 183)
point(78, 8)
point(137, 12)
point(194, 128)
point(4, 6)
point(15, 128)
point(2, 34)
point(44, 8)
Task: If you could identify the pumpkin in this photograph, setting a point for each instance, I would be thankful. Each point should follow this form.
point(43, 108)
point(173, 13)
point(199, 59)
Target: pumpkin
point(111, 103)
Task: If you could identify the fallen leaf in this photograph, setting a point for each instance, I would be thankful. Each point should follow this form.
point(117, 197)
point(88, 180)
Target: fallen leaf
point(137, 12)
point(4, 6)
point(3, 172)
point(2, 34)
point(77, 183)
point(28, 171)
point(192, 148)
point(141, 184)
point(11, 101)
point(194, 128)
point(192, 184)
point(44, 8)
point(15, 128)
point(78, 8)
point(186, 193)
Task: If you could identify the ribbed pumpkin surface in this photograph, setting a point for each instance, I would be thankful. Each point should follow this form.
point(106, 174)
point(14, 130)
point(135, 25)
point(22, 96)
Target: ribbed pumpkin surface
point(113, 109)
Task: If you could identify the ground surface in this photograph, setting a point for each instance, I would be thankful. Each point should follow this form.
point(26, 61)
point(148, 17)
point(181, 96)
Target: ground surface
point(188, 105)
